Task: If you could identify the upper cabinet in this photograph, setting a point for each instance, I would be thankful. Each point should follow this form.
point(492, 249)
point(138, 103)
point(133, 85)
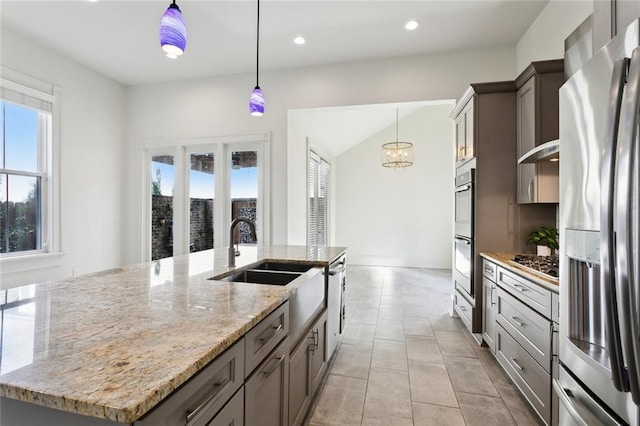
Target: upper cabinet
point(610, 17)
point(464, 132)
point(537, 123)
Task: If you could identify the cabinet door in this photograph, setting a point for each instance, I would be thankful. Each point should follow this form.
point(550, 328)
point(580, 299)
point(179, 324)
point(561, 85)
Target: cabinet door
point(300, 380)
point(460, 137)
point(318, 352)
point(526, 117)
point(267, 390)
point(469, 131)
point(232, 414)
point(526, 183)
point(489, 314)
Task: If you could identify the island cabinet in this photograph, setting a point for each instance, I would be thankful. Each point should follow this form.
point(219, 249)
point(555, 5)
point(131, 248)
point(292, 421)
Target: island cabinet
point(307, 366)
point(489, 272)
point(525, 338)
point(537, 118)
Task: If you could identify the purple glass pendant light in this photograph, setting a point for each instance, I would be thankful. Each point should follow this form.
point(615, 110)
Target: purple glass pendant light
point(173, 32)
point(256, 100)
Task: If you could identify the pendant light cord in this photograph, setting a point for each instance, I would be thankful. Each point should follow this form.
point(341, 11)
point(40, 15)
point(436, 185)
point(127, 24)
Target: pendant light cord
point(396, 125)
point(258, 46)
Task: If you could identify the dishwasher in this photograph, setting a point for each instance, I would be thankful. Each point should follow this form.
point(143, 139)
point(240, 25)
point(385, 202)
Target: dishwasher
point(336, 284)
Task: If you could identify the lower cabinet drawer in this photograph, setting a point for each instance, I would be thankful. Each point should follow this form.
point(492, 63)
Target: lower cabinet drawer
point(528, 327)
point(265, 336)
point(532, 380)
point(463, 308)
point(198, 400)
point(232, 413)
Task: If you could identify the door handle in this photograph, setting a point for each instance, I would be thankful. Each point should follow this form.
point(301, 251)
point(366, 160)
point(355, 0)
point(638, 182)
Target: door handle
point(624, 224)
point(462, 240)
point(565, 400)
point(271, 333)
point(463, 188)
point(530, 190)
point(607, 184)
point(276, 362)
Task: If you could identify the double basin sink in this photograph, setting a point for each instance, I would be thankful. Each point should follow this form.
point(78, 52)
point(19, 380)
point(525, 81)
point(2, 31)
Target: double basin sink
point(304, 305)
point(269, 272)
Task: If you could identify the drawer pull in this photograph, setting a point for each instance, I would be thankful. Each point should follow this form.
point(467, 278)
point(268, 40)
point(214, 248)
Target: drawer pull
point(463, 308)
point(218, 388)
point(273, 368)
point(520, 288)
point(271, 333)
point(515, 363)
point(518, 321)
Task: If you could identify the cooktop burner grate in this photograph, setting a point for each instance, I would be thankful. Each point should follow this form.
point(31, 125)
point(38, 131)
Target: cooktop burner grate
point(547, 265)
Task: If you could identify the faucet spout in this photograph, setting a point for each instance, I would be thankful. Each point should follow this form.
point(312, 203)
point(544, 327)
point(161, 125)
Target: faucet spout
point(232, 250)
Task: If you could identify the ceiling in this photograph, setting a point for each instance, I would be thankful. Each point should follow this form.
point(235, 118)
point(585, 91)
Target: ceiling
point(120, 38)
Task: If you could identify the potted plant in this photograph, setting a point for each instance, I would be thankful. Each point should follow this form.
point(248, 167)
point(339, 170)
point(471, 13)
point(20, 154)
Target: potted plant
point(546, 240)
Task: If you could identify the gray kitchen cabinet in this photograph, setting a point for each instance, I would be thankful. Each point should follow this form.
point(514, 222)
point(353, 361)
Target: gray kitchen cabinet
point(233, 413)
point(199, 399)
point(526, 338)
point(306, 367)
point(267, 390)
point(537, 117)
point(265, 335)
point(465, 132)
point(610, 17)
point(490, 305)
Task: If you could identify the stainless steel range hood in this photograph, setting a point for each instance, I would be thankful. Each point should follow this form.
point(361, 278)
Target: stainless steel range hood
point(548, 151)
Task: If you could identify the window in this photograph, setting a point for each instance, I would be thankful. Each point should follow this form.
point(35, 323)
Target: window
point(317, 209)
point(25, 158)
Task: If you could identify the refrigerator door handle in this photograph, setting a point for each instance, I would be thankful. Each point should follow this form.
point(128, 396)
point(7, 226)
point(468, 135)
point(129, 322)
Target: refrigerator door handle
point(625, 270)
point(618, 373)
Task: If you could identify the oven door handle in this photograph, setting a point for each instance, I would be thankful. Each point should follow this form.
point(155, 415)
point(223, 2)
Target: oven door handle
point(565, 400)
point(463, 240)
point(463, 188)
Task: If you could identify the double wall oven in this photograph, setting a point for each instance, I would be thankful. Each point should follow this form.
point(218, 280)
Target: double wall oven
point(463, 224)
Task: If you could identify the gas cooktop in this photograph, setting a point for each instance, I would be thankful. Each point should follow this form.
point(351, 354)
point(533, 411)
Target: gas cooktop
point(546, 265)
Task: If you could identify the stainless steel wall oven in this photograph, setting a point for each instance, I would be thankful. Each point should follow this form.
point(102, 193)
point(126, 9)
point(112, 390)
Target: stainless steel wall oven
point(463, 240)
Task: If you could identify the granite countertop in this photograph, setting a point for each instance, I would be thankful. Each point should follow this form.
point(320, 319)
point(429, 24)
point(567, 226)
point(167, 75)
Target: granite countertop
point(506, 260)
point(114, 344)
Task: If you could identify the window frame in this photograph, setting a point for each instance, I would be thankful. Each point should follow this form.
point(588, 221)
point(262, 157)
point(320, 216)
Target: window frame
point(49, 255)
point(222, 147)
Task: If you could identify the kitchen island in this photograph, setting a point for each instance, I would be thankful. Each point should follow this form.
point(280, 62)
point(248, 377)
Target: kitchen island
point(113, 345)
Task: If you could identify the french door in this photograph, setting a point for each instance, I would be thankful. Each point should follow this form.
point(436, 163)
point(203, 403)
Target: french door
point(194, 190)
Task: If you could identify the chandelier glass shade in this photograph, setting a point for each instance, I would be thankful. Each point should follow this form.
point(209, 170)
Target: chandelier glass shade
point(397, 154)
point(173, 32)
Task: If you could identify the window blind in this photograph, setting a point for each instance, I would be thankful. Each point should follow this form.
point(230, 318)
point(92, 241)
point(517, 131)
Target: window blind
point(318, 189)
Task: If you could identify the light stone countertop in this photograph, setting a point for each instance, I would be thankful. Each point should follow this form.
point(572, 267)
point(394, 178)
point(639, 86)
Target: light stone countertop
point(506, 261)
point(114, 344)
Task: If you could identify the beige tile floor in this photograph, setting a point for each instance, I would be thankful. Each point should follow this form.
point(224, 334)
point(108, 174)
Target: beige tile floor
point(405, 361)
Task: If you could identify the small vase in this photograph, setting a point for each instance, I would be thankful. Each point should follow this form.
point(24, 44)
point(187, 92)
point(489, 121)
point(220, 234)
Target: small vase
point(544, 251)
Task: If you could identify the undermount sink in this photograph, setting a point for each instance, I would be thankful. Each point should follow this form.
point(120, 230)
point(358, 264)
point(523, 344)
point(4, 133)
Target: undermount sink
point(256, 276)
point(283, 266)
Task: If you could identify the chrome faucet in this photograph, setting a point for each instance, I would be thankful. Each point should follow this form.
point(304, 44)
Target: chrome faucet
point(233, 252)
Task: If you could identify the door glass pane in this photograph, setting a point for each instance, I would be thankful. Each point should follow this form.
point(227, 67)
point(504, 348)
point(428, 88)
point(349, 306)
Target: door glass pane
point(244, 191)
point(162, 188)
point(19, 213)
point(20, 138)
point(202, 183)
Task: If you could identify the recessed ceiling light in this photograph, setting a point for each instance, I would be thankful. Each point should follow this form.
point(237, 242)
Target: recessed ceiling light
point(411, 25)
point(299, 40)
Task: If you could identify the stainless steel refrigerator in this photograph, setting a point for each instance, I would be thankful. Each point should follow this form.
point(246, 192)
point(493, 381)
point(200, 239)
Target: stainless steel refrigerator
point(599, 381)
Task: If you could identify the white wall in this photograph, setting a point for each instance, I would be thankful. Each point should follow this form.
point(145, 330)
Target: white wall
point(545, 37)
point(218, 106)
point(92, 135)
point(399, 217)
